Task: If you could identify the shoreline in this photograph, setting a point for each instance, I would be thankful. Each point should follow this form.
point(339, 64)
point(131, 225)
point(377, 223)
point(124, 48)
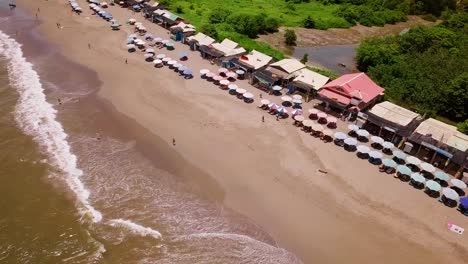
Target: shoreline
point(285, 180)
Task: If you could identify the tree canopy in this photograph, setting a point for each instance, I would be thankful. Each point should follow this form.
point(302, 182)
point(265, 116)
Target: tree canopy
point(424, 69)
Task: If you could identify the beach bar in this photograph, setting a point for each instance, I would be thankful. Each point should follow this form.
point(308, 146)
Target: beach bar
point(278, 73)
point(391, 122)
point(222, 52)
point(351, 91)
point(307, 82)
point(252, 62)
point(182, 31)
point(441, 145)
point(165, 18)
point(198, 40)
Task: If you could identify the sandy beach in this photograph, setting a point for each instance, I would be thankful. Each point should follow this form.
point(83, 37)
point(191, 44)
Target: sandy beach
point(265, 171)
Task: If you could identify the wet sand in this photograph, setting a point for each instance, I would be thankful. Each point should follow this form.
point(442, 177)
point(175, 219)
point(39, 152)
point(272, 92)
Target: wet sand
point(268, 171)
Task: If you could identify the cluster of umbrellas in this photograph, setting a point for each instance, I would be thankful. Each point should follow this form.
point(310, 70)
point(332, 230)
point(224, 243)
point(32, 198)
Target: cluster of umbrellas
point(322, 118)
point(75, 6)
point(421, 175)
point(295, 101)
point(96, 8)
point(162, 60)
point(226, 84)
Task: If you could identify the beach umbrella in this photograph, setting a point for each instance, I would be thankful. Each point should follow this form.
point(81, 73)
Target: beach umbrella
point(327, 132)
point(234, 87)
point(183, 54)
point(286, 98)
point(96, 2)
point(322, 115)
point(157, 40)
point(377, 140)
point(388, 145)
point(353, 127)
point(272, 106)
point(231, 75)
point(248, 95)
point(131, 46)
point(427, 167)
point(148, 55)
point(204, 71)
point(150, 51)
point(399, 154)
point(450, 194)
point(224, 82)
point(187, 72)
point(389, 163)
point(313, 111)
point(218, 78)
point(331, 119)
point(169, 44)
point(130, 40)
point(308, 123)
point(210, 75)
point(148, 36)
point(350, 141)
point(178, 66)
point(240, 72)
point(166, 59)
point(413, 160)
point(297, 112)
point(464, 202)
point(297, 101)
point(277, 88)
point(132, 20)
point(263, 101)
point(402, 169)
point(182, 69)
point(442, 176)
point(363, 149)
point(299, 118)
point(222, 70)
point(433, 186)
point(243, 91)
point(297, 97)
point(340, 135)
point(133, 36)
point(417, 177)
point(362, 133)
point(165, 41)
point(317, 127)
point(375, 155)
point(458, 183)
point(283, 110)
point(157, 61)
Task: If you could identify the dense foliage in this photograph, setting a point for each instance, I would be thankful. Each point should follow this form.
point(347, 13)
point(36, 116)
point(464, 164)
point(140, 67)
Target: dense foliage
point(424, 69)
point(290, 37)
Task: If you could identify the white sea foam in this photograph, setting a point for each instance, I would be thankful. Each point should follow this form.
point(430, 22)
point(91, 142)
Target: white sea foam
point(135, 228)
point(37, 118)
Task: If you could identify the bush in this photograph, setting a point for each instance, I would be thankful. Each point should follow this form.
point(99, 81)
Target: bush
point(218, 15)
point(463, 127)
point(252, 25)
point(290, 37)
point(309, 22)
point(210, 30)
point(179, 10)
point(305, 58)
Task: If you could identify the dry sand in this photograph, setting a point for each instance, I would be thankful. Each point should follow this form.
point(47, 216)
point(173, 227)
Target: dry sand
point(268, 171)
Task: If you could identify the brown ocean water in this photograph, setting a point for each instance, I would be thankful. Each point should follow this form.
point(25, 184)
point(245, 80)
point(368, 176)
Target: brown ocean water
point(77, 186)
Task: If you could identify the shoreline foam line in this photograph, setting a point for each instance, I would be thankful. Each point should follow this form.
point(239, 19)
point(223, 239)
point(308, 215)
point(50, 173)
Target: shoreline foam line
point(37, 118)
point(135, 228)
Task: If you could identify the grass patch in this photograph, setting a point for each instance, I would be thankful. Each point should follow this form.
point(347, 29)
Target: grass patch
point(325, 72)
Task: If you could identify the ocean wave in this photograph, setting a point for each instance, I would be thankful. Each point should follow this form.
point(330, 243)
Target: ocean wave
point(135, 228)
point(37, 118)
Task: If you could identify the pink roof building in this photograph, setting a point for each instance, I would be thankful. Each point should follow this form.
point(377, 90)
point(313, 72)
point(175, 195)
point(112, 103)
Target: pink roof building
point(349, 90)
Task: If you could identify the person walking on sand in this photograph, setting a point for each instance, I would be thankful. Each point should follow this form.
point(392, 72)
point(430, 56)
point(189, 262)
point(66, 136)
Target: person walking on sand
point(173, 142)
point(126, 62)
point(263, 119)
point(261, 96)
point(89, 45)
point(277, 117)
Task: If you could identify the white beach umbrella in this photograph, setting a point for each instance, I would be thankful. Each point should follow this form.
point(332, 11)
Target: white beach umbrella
point(231, 75)
point(363, 149)
point(340, 135)
point(157, 40)
point(388, 145)
point(222, 70)
point(299, 118)
point(132, 20)
point(171, 62)
point(166, 59)
point(297, 101)
point(450, 194)
point(178, 66)
point(297, 96)
point(362, 133)
point(322, 115)
point(204, 71)
point(313, 111)
point(331, 119)
point(277, 88)
point(165, 41)
point(272, 106)
point(317, 127)
point(148, 55)
point(297, 112)
point(234, 87)
point(240, 91)
point(458, 183)
point(427, 167)
point(150, 51)
point(263, 101)
point(240, 72)
point(224, 82)
point(308, 123)
point(375, 154)
point(350, 142)
point(248, 95)
point(353, 127)
point(131, 46)
point(413, 160)
point(218, 78)
point(377, 140)
point(327, 132)
point(210, 75)
point(286, 98)
point(157, 61)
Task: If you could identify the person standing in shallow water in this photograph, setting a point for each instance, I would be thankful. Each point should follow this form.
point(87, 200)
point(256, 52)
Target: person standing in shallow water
point(173, 142)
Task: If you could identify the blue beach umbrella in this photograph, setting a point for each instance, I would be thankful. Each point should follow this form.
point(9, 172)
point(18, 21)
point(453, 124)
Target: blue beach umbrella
point(389, 163)
point(433, 185)
point(340, 135)
point(417, 177)
point(399, 154)
point(464, 202)
point(182, 54)
point(442, 176)
point(402, 169)
point(187, 72)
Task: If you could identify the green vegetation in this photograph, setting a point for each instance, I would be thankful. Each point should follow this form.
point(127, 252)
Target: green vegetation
point(424, 69)
point(305, 58)
point(290, 37)
point(324, 72)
